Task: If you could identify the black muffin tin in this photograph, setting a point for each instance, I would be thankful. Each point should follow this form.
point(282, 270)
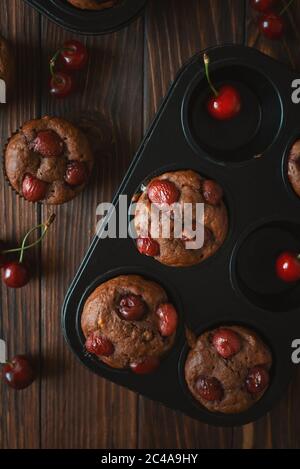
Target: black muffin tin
point(248, 157)
point(89, 22)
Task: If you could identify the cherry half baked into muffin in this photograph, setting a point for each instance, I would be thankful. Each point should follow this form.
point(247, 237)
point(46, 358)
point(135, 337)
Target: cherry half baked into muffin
point(129, 323)
point(227, 369)
point(94, 4)
point(184, 186)
point(48, 160)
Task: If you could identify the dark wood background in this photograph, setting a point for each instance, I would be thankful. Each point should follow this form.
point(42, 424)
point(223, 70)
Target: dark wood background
point(128, 75)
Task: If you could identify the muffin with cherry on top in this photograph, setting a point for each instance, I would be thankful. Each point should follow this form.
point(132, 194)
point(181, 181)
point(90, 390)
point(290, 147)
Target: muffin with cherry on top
point(129, 323)
point(48, 160)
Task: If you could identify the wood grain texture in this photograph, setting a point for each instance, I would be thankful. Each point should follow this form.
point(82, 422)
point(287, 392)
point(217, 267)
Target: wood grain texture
point(128, 75)
point(20, 310)
point(88, 412)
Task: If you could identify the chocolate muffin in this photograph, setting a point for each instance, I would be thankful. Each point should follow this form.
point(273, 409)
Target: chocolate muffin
point(294, 167)
point(94, 4)
point(48, 160)
point(181, 187)
point(6, 66)
point(227, 369)
point(128, 322)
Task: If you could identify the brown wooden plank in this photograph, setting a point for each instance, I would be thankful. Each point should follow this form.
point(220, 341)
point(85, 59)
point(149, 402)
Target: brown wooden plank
point(80, 410)
point(175, 31)
point(280, 428)
point(20, 310)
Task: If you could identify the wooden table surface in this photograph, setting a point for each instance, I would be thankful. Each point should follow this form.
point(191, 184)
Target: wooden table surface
point(128, 75)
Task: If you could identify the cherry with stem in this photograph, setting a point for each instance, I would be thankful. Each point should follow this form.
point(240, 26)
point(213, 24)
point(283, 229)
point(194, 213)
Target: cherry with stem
point(61, 83)
point(225, 103)
point(272, 25)
point(16, 274)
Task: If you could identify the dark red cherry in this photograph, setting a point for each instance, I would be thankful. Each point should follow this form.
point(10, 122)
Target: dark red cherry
point(61, 85)
point(76, 173)
point(288, 267)
point(210, 389)
point(19, 373)
point(263, 6)
point(34, 189)
point(227, 342)
point(48, 143)
point(146, 366)
point(148, 246)
point(226, 105)
point(15, 274)
point(168, 319)
point(74, 55)
point(99, 345)
point(132, 307)
point(272, 26)
point(257, 380)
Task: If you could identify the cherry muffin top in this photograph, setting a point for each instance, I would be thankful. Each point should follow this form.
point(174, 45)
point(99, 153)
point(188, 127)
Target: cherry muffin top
point(129, 322)
point(227, 369)
point(181, 187)
point(48, 160)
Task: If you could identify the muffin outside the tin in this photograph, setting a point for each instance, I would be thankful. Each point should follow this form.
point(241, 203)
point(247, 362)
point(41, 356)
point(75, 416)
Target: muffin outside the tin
point(94, 4)
point(181, 187)
point(129, 323)
point(227, 369)
point(48, 160)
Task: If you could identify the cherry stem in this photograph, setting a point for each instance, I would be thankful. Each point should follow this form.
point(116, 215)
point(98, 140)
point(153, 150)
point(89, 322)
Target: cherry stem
point(55, 57)
point(287, 6)
point(206, 63)
point(43, 226)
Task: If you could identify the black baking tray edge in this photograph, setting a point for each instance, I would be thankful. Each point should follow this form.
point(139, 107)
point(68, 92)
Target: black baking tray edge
point(89, 22)
point(193, 290)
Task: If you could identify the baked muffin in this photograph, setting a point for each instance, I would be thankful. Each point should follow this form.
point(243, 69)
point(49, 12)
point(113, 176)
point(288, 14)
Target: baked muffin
point(227, 369)
point(48, 160)
point(181, 187)
point(128, 322)
point(6, 67)
point(294, 167)
point(94, 4)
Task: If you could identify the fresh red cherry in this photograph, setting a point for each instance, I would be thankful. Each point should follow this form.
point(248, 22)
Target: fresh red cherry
point(226, 105)
point(76, 173)
point(288, 267)
point(48, 143)
point(210, 389)
point(257, 380)
point(263, 6)
point(168, 319)
point(15, 274)
point(132, 307)
point(74, 55)
point(19, 373)
point(146, 366)
point(163, 192)
point(148, 246)
point(272, 26)
point(61, 85)
point(34, 189)
point(226, 342)
point(99, 345)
